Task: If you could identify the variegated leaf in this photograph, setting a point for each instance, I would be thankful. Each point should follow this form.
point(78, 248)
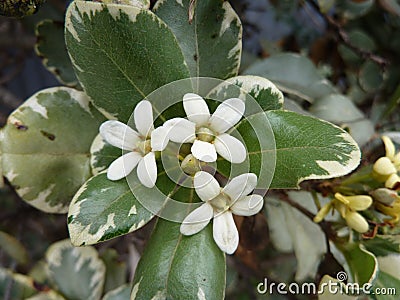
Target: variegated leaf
point(121, 293)
point(18, 286)
point(306, 148)
point(116, 60)
point(103, 209)
point(310, 148)
point(77, 272)
point(102, 155)
point(388, 283)
point(180, 267)
point(116, 270)
point(263, 91)
point(209, 33)
point(13, 248)
point(50, 46)
point(46, 144)
point(362, 263)
point(137, 3)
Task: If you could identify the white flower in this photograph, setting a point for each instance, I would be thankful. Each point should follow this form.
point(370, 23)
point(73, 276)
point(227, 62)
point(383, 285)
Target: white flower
point(208, 132)
point(221, 203)
point(141, 145)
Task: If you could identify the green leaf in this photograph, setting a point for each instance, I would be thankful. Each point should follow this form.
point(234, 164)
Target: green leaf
point(13, 248)
point(382, 245)
point(103, 209)
point(78, 273)
point(180, 267)
point(212, 42)
point(46, 144)
point(341, 110)
point(116, 60)
point(16, 286)
point(336, 108)
point(353, 9)
point(38, 272)
point(257, 135)
point(370, 76)
point(121, 293)
point(306, 148)
point(363, 264)
point(359, 39)
point(50, 46)
point(260, 89)
point(116, 270)
point(294, 74)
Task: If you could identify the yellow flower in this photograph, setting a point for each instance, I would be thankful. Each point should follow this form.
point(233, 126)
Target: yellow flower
point(388, 203)
point(348, 206)
point(386, 167)
point(323, 212)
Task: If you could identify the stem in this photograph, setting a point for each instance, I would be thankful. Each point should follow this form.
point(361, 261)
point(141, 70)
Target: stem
point(356, 179)
point(285, 197)
point(316, 199)
point(345, 190)
point(343, 37)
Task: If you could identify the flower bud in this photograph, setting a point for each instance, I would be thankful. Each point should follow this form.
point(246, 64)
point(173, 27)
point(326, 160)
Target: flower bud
point(383, 168)
point(190, 165)
point(356, 221)
point(385, 196)
point(392, 181)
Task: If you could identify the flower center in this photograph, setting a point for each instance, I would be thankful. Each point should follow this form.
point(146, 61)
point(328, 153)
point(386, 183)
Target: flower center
point(190, 165)
point(144, 147)
point(205, 134)
point(221, 202)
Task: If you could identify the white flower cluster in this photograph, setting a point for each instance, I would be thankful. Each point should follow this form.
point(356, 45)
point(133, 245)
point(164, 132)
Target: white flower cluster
point(208, 135)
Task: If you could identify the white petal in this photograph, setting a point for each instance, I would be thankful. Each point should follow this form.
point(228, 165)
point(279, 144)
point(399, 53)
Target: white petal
point(119, 135)
point(147, 170)
point(230, 148)
point(206, 186)
point(204, 151)
point(123, 165)
point(196, 109)
point(159, 138)
point(240, 186)
point(225, 233)
point(227, 114)
point(248, 206)
point(197, 219)
point(143, 117)
point(180, 130)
